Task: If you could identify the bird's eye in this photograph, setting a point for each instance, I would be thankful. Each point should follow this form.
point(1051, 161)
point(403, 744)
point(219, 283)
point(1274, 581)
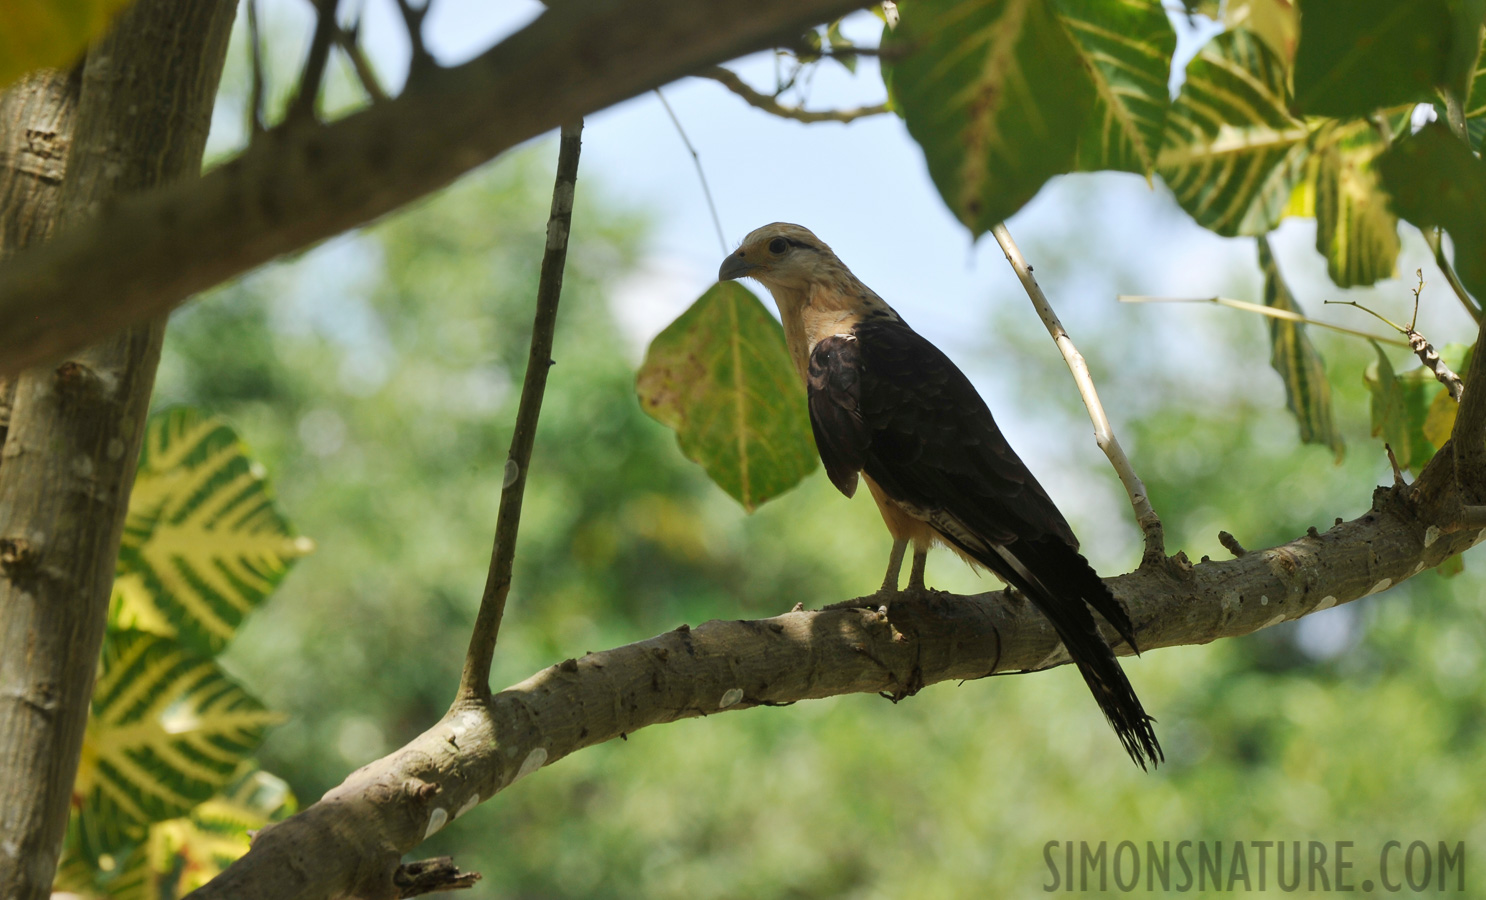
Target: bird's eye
point(778, 245)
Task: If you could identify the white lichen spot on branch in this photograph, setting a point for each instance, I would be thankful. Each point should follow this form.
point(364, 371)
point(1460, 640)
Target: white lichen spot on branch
point(534, 761)
point(730, 697)
point(436, 820)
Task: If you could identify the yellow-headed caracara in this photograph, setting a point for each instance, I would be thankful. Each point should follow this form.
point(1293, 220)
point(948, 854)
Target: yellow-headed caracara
point(886, 403)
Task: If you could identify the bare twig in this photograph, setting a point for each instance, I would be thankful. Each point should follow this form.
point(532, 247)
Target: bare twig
point(256, 123)
point(770, 104)
point(348, 40)
point(474, 682)
point(1417, 342)
point(1271, 311)
point(1145, 516)
point(696, 160)
point(422, 61)
point(430, 876)
point(1231, 544)
point(1435, 238)
point(303, 107)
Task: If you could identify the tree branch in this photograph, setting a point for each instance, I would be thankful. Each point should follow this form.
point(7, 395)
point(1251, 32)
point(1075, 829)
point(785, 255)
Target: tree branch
point(301, 185)
point(770, 104)
point(474, 681)
point(1104, 436)
point(357, 832)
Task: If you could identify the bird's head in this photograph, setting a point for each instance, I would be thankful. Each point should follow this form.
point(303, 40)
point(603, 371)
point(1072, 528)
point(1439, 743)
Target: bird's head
point(780, 256)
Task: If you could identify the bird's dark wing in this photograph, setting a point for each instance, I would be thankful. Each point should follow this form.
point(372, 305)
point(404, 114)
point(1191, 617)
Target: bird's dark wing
point(886, 401)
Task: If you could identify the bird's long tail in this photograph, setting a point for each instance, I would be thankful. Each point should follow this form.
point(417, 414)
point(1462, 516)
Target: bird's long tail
point(1062, 585)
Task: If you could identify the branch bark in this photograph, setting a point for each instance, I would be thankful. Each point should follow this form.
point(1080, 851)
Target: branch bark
point(474, 681)
point(350, 841)
point(142, 117)
point(304, 182)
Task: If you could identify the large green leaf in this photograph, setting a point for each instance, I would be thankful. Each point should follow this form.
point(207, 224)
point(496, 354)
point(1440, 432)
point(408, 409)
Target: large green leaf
point(1307, 392)
point(1356, 229)
point(1358, 55)
point(169, 729)
point(203, 542)
point(1436, 180)
point(1232, 152)
point(721, 377)
point(1475, 100)
point(995, 93)
point(50, 33)
point(1126, 49)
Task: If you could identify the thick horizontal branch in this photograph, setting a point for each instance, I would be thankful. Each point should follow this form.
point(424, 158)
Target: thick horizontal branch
point(304, 182)
point(352, 839)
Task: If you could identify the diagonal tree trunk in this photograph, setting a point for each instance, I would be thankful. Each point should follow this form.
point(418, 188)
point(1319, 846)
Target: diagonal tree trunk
point(143, 111)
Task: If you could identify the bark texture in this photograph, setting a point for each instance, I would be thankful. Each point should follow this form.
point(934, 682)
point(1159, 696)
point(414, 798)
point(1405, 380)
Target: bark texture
point(304, 182)
point(142, 117)
point(351, 841)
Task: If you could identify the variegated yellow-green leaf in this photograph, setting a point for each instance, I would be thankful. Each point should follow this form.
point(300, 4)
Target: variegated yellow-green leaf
point(203, 542)
point(1410, 410)
point(721, 377)
point(169, 729)
point(50, 33)
point(1356, 229)
point(1232, 153)
point(995, 93)
point(1307, 392)
point(1358, 55)
point(1126, 49)
point(1434, 179)
point(180, 855)
point(1275, 22)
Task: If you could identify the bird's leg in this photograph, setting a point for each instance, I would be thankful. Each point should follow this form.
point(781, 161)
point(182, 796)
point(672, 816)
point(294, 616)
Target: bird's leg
point(916, 575)
point(894, 566)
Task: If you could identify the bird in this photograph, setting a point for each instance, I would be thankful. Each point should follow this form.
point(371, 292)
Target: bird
point(890, 408)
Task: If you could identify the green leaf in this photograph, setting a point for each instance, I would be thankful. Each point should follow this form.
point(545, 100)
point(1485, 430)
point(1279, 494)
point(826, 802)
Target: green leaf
point(1307, 392)
point(1356, 229)
point(203, 541)
point(1390, 408)
point(1231, 152)
point(1358, 55)
point(721, 377)
point(994, 91)
point(1436, 180)
point(1126, 49)
point(1275, 22)
point(1407, 408)
point(168, 730)
point(1474, 100)
point(50, 33)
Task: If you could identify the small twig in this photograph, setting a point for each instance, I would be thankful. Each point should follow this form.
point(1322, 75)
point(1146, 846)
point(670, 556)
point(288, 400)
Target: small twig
point(759, 100)
point(1231, 544)
point(1421, 346)
point(256, 123)
point(1398, 480)
point(696, 160)
point(1433, 237)
point(428, 876)
point(1145, 516)
point(422, 61)
point(474, 681)
point(1271, 311)
point(303, 107)
point(348, 40)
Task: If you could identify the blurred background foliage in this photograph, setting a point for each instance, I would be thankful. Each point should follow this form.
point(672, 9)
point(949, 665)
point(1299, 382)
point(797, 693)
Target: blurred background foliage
point(376, 376)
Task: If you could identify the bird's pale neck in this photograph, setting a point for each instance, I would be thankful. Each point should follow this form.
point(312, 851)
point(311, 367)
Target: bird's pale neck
point(831, 302)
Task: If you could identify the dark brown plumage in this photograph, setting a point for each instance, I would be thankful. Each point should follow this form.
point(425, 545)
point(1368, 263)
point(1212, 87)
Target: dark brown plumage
point(887, 404)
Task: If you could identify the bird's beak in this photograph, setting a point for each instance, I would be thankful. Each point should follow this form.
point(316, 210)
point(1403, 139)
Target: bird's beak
point(735, 266)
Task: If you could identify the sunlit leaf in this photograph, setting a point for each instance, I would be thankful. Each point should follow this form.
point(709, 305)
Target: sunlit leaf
point(995, 93)
point(1407, 408)
point(1356, 230)
point(1126, 49)
point(1358, 55)
point(168, 730)
point(1439, 420)
point(1232, 152)
point(721, 377)
point(1307, 392)
point(1436, 180)
point(1390, 408)
point(203, 542)
point(50, 33)
point(1275, 22)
